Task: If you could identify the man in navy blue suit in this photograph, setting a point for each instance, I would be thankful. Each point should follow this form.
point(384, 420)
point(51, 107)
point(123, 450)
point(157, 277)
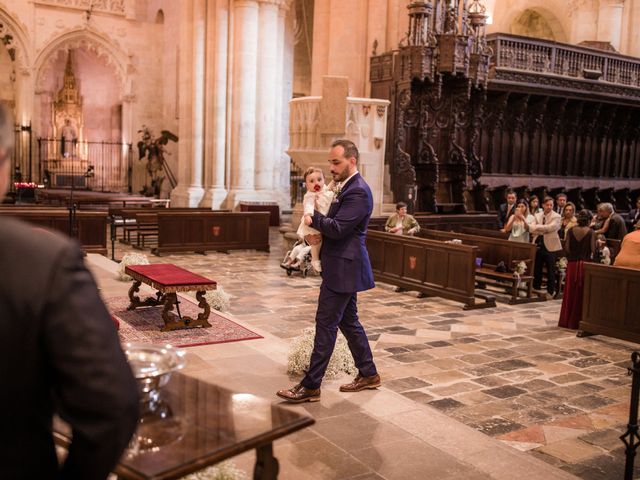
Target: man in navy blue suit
point(345, 271)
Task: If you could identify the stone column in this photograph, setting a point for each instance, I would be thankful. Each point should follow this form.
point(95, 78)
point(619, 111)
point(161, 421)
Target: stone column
point(189, 191)
point(267, 88)
point(321, 43)
point(584, 20)
point(284, 79)
point(633, 33)
point(243, 123)
point(610, 22)
point(215, 157)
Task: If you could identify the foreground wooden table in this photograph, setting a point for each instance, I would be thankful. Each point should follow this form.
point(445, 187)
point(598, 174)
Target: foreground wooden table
point(204, 425)
point(168, 279)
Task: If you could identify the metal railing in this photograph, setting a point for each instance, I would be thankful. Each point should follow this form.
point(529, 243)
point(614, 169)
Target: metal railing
point(631, 439)
point(97, 166)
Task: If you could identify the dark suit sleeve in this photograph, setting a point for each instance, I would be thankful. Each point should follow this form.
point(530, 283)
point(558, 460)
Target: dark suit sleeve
point(352, 211)
point(94, 389)
point(502, 214)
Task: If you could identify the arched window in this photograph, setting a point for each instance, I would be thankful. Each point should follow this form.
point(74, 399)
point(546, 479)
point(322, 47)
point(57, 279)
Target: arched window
point(533, 23)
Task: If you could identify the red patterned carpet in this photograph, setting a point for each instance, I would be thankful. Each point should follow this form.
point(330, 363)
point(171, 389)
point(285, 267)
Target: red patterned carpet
point(143, 326)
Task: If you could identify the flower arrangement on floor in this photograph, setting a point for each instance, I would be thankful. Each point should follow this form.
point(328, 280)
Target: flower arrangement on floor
point(218, 299)
point(221, 471)
point(300, 355)
point(130, 259)
point(562, 263)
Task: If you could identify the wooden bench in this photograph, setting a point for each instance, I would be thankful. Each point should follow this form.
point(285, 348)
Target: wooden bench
point(492, 251)
point(189, 231)
point(611, 302)
point(430, 267)
point(168, 279)
point(272, 207)
point(91, 226)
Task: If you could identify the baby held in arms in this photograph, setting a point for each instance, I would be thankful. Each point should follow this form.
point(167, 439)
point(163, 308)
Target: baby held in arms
point(318, 197)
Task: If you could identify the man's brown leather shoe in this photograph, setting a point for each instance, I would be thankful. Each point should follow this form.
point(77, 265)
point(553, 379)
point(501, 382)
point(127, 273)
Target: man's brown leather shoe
point(362, 383)
point(299, 394)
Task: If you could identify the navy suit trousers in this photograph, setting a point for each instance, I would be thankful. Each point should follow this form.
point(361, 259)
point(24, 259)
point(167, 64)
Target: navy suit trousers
point(337, 310)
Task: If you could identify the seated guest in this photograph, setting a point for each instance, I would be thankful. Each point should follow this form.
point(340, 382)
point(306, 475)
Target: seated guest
point(515, 224)
point(613, 226)
point(634, 216)
point(579, 245)
point(401, 223)
point(507, 209)
point(568, 220)
point(629, 255)
point(534, 205)
point(561, 201)
point(602, 253)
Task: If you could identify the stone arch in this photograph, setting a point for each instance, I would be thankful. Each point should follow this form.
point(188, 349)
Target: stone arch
point(537, 22)
point(159, 17)
point(20, 39)
point(93, 41)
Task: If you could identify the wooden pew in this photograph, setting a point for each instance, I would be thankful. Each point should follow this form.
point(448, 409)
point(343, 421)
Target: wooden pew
point(611, 303)
point(443, 222)
point(485, 232)
point(188, 231)
point(430, 267)
point(272, 207)
point(493, 251)
point(92, 226)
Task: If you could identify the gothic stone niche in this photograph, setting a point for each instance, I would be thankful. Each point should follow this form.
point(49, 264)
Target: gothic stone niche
point(67, 111)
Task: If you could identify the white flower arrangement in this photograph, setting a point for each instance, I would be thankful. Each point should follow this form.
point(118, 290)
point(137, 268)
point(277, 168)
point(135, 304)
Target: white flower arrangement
point(336, 188)
point(300, 355)
point(221, 471)
point(520, 268)
point(218, 299)
point(562, 263)
point(130, 259)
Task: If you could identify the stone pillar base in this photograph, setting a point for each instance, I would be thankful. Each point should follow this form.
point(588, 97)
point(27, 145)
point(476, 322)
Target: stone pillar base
point(214, 198)
point(186, 197)
point(237, 196)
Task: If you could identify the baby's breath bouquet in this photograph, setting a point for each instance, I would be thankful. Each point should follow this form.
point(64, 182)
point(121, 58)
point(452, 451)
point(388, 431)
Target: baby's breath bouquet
point(519, 270)
point(218, 299)
point(562, 263)
point(300, 355)
point(221, 471)
point(130, 259)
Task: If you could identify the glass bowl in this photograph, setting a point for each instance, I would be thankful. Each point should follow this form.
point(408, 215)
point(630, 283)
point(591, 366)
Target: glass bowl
point(152, 366)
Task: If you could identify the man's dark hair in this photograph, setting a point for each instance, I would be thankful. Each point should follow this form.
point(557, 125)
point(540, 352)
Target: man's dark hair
point(561, 195)
point(6, 133)
point(400, 205)
point(510, 191)
point(546, 199)
point(350, 149)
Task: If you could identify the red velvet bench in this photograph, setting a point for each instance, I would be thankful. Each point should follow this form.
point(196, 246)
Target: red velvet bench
point(169, 279)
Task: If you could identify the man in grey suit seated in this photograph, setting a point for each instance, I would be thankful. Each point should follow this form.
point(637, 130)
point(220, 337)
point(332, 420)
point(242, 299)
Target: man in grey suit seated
point(59, 354)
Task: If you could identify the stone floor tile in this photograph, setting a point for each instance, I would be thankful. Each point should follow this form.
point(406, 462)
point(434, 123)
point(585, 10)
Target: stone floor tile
point(568, 378)
point(556, 434)
point(407, 383)
point(505, 391)
point(571, 450)
point(454, 389)
point(497, 426)
point(508, 365)
point(591, 402)
point(445, 404)
point(606, 439)
point(418, 396)
point(491, 381)
point(533, 435)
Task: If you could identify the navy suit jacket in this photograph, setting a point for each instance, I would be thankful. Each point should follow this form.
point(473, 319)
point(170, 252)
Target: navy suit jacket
point(345, 261)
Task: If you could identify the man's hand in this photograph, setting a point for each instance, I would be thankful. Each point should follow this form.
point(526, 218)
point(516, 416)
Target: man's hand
point(313, 239)
point(308, 220)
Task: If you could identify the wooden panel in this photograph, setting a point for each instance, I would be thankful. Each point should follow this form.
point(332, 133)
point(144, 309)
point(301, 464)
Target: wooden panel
point(611, 301)
point(92, 226)
point(184, 231)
